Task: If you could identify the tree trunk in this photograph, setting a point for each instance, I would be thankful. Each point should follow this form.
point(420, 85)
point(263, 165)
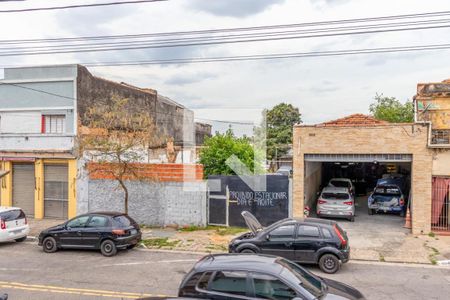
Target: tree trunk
point(125, 189)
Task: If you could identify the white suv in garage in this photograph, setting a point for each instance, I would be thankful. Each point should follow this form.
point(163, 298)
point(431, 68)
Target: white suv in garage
point(13, 224)
point(336, 202)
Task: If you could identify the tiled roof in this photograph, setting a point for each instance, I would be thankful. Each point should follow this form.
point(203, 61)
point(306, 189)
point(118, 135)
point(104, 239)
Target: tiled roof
point(354, 120)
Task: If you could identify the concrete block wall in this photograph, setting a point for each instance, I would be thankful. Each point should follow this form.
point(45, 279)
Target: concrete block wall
point(151, 203)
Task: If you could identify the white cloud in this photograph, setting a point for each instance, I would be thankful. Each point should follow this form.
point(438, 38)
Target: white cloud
point(322, 87)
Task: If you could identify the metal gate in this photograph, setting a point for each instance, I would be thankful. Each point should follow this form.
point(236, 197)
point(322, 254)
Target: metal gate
point(440, 204)
point(232, 195)
point(23, 187)
point(55, 191)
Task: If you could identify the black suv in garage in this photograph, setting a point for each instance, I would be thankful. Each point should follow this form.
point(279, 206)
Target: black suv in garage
point(308, 240)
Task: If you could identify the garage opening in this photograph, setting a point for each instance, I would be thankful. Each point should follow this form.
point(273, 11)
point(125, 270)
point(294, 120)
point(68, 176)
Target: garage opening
point(364, 171)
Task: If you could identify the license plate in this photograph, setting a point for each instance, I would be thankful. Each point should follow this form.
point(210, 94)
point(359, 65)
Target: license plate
point(16, 231)
point(133, 231)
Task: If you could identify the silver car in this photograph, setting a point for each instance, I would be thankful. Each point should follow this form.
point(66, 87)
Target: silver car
point(337, 202)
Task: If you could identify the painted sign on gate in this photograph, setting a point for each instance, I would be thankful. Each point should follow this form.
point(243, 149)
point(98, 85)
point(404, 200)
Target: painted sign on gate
point(268, 206)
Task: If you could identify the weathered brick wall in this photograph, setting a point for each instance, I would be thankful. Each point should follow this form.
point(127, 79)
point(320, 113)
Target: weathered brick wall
point(392, 138)
point(150, 172)
point(171, 118)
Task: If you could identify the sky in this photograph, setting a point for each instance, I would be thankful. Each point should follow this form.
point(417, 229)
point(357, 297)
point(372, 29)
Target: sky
point(323, 88)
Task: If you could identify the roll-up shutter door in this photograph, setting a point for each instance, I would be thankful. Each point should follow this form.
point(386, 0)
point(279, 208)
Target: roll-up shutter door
point(55, 191)
point(23, 187)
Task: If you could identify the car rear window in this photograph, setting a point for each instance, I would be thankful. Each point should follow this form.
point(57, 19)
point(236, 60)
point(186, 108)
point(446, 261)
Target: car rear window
point(340, 183)
point(336, 196)
point(387, 190)
point(122, 221)
point(12, 215)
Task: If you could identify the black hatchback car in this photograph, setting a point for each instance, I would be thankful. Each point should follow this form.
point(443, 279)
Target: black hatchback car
point(104, 231)
point(249, 276)
point(309, 240)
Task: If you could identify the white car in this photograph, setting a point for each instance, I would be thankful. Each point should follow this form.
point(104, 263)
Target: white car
point(13, 224)
point(343, 182)
point(336, 202)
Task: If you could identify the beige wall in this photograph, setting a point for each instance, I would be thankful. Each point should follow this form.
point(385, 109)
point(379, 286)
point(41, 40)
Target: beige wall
point(392, 138)
point(313, 179)
point(441, 162)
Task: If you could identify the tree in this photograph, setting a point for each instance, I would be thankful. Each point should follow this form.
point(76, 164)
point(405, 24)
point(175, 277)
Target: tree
point(115, 135)
point(391, 110)
point(280, 120)
point(220, 147)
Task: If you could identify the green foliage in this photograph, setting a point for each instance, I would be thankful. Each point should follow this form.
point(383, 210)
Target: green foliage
point(220, 147)
point(160, 243)
point(391, 110)
point(280, 120)
point(220, 230)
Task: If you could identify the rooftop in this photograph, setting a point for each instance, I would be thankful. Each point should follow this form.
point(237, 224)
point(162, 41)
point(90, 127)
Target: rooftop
point(354, 120)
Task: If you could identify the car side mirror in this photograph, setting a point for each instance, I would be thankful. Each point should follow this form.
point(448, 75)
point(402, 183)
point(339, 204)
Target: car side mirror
point(267, 237)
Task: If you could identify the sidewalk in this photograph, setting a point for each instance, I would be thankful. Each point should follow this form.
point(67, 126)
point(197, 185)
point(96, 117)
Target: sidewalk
point(36, 226)
point(388, 243)
point(392, 246)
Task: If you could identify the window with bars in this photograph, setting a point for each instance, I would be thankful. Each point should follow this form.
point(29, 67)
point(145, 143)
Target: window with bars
point(53, 124)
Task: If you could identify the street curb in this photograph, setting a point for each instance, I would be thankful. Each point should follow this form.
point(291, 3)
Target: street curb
point(355, 261)
point(396, 264)
point(174, 251)
point(31, 239)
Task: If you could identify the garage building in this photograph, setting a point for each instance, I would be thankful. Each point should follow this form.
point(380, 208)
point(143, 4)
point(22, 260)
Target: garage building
point(365, 149)
point(362, 148)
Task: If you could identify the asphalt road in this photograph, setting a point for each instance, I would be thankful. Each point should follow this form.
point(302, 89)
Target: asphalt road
point(28, 273)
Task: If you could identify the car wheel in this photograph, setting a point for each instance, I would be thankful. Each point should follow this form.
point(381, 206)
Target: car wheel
point(352, 219)
point(329, 263)
point(248, 251)
point(371, 211)
point(108, 248)
point(49, 245)
point(21, 239)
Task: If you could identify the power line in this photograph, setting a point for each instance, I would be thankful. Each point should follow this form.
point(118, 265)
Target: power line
point(254, 28)
point(227, 122)
point(77, 6)
point(290, 33)
point(274, 56)
point(152, 46)
point(261, 56)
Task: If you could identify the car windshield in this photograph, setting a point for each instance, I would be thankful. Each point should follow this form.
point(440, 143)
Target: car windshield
point(309, 281)
point(270, 227)
point(334, 196)
point(387, 190)
point(340, 183)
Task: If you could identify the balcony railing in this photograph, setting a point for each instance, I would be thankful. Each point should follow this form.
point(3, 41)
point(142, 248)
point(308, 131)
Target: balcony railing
point(36, 142)
point(440, 136)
